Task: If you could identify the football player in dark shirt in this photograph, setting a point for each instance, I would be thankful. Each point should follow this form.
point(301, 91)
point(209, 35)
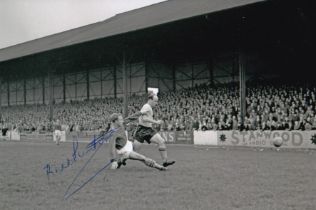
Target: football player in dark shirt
point(121, 146)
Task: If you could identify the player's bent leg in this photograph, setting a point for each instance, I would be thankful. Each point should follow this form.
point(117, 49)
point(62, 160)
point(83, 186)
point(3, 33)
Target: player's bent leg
point(157, 139)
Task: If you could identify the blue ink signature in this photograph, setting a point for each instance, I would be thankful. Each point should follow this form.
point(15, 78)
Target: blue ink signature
point(94, 145)
point(53, 169)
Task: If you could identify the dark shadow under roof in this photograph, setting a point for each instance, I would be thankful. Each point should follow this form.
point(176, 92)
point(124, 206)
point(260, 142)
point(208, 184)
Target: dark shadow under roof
point(154, 15)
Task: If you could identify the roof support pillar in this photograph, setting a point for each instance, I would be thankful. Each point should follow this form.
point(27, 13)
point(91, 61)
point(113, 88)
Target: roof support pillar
point(8, 92)
point(24, 91)
point(43, 89)
point(146, 74)
point(211, 71)
point(124, 72)
point(242, 85)
point(174, 87)
point(64, 87)
point(51, 92)
point(242, 71)
point(88, 84)
point(115, 81)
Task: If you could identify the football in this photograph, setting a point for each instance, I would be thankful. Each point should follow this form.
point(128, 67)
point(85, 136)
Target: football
point(277, 141)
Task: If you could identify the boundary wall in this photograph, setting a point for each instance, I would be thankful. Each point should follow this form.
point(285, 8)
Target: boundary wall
point(291, 139)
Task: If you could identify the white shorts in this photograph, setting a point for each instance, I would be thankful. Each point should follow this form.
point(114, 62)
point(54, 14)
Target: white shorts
point(126, 149)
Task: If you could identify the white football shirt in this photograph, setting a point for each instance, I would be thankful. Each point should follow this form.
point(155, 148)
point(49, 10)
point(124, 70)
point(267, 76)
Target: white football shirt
point(146, 111)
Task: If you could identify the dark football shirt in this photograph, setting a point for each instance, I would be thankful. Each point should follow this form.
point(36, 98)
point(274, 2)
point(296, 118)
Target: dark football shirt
point(120, 138)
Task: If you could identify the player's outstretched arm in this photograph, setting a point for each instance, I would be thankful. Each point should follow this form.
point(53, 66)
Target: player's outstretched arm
point(134, 116)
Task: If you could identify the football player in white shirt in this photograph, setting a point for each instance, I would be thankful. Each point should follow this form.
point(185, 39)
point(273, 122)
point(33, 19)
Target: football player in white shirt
point(145, 132)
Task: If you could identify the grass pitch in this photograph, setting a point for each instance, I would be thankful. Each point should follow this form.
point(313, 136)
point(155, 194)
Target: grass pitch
point(202, 178)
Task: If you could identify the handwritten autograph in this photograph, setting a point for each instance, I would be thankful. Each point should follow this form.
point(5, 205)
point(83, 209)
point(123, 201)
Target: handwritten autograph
point(94, 146)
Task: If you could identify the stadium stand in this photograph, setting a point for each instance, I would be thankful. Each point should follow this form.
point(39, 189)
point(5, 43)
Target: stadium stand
point(204, 107)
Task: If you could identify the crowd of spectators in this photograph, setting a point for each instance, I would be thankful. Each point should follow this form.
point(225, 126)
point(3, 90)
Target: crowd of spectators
point(268, 107)
point(203, 107)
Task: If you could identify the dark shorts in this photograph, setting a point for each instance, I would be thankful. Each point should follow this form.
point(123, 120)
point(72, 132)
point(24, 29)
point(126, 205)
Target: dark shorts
point(143, 133)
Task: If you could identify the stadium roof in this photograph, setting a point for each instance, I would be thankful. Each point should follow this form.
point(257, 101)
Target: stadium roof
point(154, 15)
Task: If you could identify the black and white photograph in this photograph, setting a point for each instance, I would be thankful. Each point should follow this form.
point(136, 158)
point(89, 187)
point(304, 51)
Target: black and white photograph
point(157, 105)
